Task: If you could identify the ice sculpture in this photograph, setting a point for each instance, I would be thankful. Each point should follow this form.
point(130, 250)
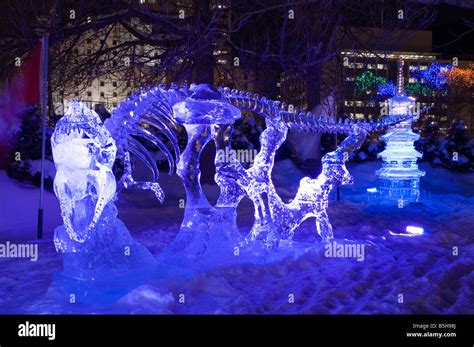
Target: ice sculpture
point(99, 254)
point(399, 175)
point(205, 116)
point(312, 197)
point(144, 115)
point(96, 245)
point(208, 114)
point(84, 153)
point(274, 219)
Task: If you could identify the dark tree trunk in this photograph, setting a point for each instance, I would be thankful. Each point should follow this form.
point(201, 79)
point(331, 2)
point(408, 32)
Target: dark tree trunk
point(313, 91)
point(203, 63)
point(307, 146)
point(267, 79)
point(204, 67)
point(203, 72)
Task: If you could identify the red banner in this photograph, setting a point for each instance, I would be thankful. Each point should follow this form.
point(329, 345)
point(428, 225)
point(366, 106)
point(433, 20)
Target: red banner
point(16, 93)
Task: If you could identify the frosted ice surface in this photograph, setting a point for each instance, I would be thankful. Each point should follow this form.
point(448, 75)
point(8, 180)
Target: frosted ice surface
point(96, 245)
point(84, 153)
point(205, 106)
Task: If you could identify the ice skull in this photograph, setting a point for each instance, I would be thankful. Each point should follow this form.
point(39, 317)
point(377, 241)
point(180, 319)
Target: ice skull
point(205, 106)
point(84, 153)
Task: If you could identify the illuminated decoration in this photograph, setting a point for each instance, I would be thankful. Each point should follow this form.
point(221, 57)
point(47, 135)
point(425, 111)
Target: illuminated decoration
point(462, 78)
point(417, 89)
point(367, 81)
point(435, 76)
point(399, 175)
point(387, 90)
point(385, 56)
point(433, 79)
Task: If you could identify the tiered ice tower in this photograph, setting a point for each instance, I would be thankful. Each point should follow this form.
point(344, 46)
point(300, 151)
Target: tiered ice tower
point(399, 176)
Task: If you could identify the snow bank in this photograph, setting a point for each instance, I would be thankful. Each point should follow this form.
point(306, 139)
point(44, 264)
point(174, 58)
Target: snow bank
point(430, 273)
point(19, 210)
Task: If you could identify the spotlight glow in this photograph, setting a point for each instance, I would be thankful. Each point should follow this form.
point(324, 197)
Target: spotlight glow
point(414, 230)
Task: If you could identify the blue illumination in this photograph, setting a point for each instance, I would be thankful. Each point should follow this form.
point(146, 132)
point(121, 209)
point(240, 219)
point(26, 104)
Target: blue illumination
point(387, 90)
point(435, 76)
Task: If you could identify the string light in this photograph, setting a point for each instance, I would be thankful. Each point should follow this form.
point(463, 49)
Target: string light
point(435, 76)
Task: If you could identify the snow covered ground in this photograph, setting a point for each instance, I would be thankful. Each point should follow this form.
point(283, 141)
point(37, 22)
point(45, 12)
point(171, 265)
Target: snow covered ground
point(429, 273)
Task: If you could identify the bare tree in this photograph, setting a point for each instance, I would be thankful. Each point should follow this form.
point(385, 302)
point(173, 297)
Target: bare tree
point(286, 49)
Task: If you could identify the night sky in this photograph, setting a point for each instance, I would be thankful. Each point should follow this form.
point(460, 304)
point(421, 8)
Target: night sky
point(452, 36)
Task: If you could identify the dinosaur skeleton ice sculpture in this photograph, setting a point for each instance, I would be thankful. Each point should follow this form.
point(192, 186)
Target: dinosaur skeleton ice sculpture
point(209, 114)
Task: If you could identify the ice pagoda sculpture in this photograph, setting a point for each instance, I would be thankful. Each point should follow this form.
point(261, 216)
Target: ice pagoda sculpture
point(95, 244)
point(399, 177)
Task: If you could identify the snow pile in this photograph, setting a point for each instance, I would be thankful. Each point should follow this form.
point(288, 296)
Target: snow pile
point(429, 273)
point(19, 210)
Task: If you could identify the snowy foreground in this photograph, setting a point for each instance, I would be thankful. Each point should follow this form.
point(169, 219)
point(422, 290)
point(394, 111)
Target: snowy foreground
point(397, 274)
